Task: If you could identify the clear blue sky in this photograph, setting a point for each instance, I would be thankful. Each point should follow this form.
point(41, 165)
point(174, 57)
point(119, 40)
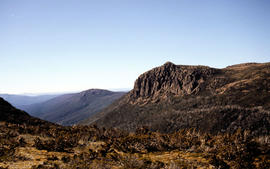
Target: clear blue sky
point(72, 45)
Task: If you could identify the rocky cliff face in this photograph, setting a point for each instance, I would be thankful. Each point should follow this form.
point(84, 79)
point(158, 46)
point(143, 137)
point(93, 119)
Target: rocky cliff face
point(173, 97)
point(170, 79)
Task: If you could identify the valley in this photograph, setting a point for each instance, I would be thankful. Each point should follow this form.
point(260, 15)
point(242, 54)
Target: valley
point(175, 117)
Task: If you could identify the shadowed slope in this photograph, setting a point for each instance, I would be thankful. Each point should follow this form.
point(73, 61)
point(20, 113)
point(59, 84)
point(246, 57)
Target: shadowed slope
point(10, 114)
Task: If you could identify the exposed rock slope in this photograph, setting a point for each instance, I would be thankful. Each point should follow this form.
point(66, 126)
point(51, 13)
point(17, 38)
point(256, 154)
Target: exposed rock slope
point(171, 79)
point(173, 97)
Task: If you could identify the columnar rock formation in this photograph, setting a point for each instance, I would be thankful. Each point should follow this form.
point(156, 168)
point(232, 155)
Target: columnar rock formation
point(173, 97)
point(171, 79)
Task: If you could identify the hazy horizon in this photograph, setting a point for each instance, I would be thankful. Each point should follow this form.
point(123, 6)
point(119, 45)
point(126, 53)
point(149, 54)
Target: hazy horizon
point(64, 92)
point(66, 46)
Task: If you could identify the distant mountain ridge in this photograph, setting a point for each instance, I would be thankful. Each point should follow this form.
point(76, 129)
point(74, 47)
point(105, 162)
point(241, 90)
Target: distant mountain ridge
point(10, 114)
point(20, 101)
point(69, 109)
point(173, 97)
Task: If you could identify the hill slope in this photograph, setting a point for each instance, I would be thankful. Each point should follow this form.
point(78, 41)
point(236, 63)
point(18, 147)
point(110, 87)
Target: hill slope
point(27, 142)
point(69, 109)
point(10, 114)
point(173, 97)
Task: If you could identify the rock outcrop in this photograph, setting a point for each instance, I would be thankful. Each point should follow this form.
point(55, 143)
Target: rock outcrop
point(170, 79)
point(173, 97)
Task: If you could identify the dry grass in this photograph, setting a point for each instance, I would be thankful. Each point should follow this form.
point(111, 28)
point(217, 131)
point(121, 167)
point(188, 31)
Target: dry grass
point(33, 157)
point(91, 147)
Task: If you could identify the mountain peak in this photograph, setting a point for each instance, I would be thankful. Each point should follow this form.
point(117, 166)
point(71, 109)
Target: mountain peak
point(168, 64)
point(170, 79)
point(96, 92)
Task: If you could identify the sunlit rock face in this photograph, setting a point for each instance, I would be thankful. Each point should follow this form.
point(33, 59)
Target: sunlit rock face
point(171, 79)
